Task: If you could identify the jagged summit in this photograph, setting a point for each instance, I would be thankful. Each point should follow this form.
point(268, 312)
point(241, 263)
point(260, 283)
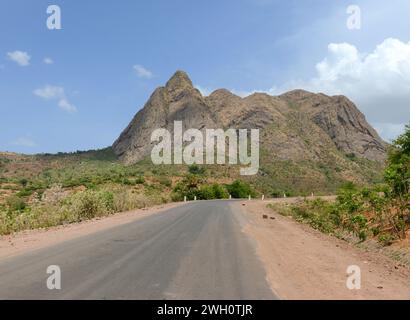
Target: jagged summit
point(295, 126)
point(179, 80)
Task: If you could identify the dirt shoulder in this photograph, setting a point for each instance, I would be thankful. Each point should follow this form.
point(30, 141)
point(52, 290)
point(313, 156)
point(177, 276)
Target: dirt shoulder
point(26, 241)
point(302, 263)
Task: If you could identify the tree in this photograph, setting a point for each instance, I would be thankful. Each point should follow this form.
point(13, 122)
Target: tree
point(397, 173)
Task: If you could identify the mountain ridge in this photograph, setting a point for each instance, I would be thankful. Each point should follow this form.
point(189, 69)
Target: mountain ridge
point(326, 117)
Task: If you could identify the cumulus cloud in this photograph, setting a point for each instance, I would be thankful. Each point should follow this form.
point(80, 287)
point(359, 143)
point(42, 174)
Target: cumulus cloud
point(49, 92)
point(24, 142)
point(378, 82)
point(383, 72)
point(142, 72)
point(48, 61)
point(20, 57)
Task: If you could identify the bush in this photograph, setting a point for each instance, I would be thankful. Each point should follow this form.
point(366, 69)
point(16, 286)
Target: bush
point(206, 193)
point(240, 189)
point(214, 191)
point(195, 169)
point(24, 193)
point(89, 204)
point(220, 191)
point(126, 200)
point(189, 187)
point(165, 181)
point(386, 239)
point(140, 180)
point(15, 203)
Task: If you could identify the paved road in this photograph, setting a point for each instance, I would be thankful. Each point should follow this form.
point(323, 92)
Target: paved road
point(195, 251)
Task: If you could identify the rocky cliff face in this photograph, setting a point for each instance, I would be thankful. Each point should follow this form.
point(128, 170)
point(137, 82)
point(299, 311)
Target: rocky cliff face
point(296, 126)
point(178, 100)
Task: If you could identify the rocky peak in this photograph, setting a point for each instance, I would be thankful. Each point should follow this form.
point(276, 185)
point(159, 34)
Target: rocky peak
point(179, 81)
point(221, 93)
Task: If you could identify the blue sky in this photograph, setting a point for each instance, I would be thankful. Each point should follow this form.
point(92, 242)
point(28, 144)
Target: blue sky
point(77, 88)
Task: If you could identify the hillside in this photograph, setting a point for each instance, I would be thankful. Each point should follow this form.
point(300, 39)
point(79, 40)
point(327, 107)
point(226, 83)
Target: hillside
point(308, 141)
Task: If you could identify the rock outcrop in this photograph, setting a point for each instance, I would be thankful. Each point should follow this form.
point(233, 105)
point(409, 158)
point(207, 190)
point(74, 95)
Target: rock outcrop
point(297, 125)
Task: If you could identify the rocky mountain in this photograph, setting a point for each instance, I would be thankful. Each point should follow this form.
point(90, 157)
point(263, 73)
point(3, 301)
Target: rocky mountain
point(178, 100)
point(297, 127)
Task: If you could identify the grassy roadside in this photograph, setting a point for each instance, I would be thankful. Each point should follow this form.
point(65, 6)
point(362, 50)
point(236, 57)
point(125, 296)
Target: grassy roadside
point(356, 213)
point(59, 206)
point(363, 228)
point(380, 213)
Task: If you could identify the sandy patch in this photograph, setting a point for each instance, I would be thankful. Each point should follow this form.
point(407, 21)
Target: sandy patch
point(302, 263)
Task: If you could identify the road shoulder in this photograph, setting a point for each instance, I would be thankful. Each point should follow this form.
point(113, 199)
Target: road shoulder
point(302, 263)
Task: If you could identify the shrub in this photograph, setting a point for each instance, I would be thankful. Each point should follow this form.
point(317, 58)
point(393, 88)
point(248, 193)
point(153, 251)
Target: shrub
point(195, 169)
point(140, 180)
point(126, 200)
point(15, 203)
point(165, 181)
point(386, 239)
point(24, 193)
point(206, 193)
point(220, 191)
point(90, 204)
point(23, 182)
point(240, 189)
point(189, 187)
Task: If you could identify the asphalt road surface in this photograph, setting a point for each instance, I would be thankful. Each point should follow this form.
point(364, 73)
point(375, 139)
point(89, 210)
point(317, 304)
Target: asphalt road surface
point(194, 251)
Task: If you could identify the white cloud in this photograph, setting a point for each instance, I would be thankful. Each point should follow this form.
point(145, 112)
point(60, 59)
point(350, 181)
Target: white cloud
point(67, 106)
point(50, 92)
point(48, 60)
point(20, 57)
point(24, 142)
point(56, 93)
point(385, 71)
point(378, 82)
point(142, 72)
